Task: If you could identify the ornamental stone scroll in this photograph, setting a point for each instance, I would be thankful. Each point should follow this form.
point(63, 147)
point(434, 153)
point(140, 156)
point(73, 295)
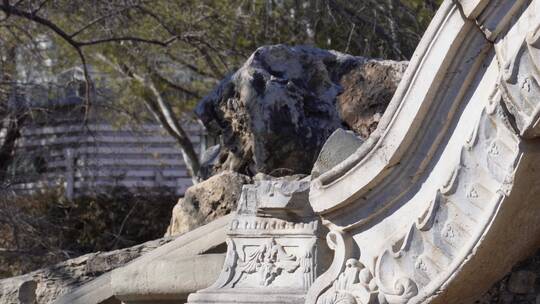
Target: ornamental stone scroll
point(442, 200)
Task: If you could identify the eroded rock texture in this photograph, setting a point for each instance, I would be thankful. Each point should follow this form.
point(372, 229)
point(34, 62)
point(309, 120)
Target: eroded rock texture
point(275, 113)
point(367, 90)
point(206, 201)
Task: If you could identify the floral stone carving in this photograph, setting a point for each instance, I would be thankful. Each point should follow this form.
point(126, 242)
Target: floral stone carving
point(269, 260)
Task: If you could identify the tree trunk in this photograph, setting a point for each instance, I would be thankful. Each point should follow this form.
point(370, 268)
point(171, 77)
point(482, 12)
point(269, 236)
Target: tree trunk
point(12, 116)
point(7, 149)
point(163, 113)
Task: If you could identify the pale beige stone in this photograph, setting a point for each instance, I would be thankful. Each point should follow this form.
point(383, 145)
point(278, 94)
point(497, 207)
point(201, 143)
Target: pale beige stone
point(207, 201)
point(274, 248)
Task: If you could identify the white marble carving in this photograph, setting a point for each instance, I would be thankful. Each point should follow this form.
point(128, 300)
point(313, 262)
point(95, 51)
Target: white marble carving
point(443, 194)
point(273, 247)
point(435, 206)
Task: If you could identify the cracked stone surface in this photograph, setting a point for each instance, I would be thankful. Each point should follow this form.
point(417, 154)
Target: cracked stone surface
point(276, 112)
point(207, 201)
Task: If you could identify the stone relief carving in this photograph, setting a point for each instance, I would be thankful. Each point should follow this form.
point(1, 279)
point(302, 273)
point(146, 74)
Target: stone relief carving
point(354, 285)
point(443, 228)
point(265, 262)
point(418, 213)
point(229, 266)
point(269, 260)
point(447, 224)
point(445, 232)
point(271, 224)
point(520, 78)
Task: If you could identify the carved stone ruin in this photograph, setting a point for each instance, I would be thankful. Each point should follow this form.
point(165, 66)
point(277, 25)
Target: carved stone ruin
point(274, 247)
point(434, 207)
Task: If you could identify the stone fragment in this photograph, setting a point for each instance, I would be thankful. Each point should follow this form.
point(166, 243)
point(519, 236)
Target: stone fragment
point(457, 136)
point(18, 290)
point(337, 148)
point(274, 247)
point(169, 273)
point(522, 282)
point(43, 286)
point(207, 201)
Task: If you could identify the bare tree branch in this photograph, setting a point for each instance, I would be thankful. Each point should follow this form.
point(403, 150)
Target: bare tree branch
point(77, 45)
point(39, 7)
point(163, 113)
point(97, 20)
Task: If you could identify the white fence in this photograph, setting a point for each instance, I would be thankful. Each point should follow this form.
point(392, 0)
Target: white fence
point(95, 157)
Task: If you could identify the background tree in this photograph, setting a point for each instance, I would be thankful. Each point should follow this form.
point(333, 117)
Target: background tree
point(160, 58)
point(166, 54)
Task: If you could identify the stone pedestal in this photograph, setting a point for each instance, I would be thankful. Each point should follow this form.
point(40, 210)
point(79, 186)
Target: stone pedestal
point(274, 248)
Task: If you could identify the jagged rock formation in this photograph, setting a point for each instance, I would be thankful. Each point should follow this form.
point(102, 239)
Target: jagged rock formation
point(275, 113)
point(273, 116)
point(206, 201)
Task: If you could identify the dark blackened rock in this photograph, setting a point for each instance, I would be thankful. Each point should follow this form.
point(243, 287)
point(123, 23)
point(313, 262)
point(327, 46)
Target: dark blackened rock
point(275, 113)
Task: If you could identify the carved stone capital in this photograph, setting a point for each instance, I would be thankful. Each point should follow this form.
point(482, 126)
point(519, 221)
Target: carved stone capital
point(274, 249)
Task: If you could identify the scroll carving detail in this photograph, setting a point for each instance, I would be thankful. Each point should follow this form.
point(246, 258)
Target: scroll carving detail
point(357, 285)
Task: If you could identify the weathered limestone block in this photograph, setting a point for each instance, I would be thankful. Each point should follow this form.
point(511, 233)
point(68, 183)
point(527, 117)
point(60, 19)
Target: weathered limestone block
point(45, 285)
point(274, 252)
point(18, 290)
point(340, 145)
point(442, 199)
point(207, 201)
point(166, 278)
point(275, 113)
point(169, 273)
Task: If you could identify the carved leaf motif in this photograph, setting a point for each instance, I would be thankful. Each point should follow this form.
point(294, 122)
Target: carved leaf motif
point(269, 261)
point(394, 286)
point(403, 290)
